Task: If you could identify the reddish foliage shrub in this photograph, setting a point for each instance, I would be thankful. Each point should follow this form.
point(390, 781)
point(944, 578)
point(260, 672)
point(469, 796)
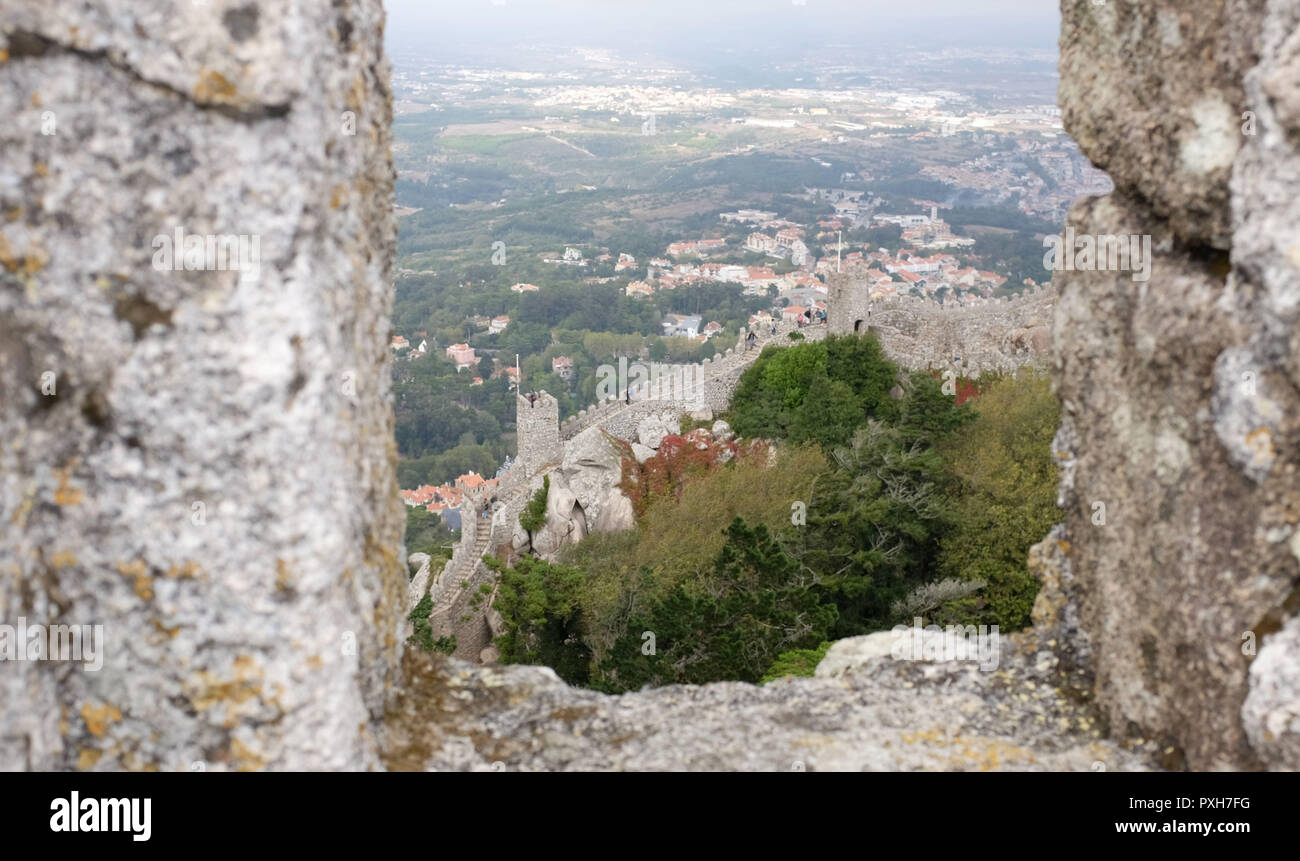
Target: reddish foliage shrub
point(678, 460)
point(967, 390)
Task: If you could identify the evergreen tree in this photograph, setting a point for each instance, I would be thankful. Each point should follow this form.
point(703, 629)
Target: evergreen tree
point(757, 603)
point(538, 602)
point(873, 525)
point(928, 415)
point(533, 517)
point(828, 415)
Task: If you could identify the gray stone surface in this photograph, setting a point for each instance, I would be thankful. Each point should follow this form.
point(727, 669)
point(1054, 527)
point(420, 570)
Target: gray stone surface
point(212, 477)
point(848, 655)
point(564, 525)
point(926, 644)
point(1271, 713)
point(419, 585)
point(651, 430)
point(1181, 397)
point(616, 514)
point(882, 715)
point(642, 453)
point(416, 561)
point(592, 469)
point(1152, 92)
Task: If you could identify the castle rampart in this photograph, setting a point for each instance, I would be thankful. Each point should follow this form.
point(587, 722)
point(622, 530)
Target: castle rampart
point(998, 335)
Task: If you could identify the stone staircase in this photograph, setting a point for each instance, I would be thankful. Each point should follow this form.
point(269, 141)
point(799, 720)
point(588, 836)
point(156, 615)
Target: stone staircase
point(455, 588)
point(448, 590)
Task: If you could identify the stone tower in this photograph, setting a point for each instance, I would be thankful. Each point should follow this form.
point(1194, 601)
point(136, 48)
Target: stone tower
point(848, 303)
point(538, 430)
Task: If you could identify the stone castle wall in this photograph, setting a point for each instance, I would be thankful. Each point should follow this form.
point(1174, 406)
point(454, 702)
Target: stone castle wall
point(706, 387)
point(460, 607)
point(999, 336)
point(464, 556)
point(712, 384)
point(918, 334)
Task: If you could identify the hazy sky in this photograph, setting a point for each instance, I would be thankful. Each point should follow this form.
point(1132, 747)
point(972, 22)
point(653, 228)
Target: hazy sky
point(463, 26)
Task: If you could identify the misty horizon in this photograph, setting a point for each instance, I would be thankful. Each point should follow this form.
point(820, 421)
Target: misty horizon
point(713, 33)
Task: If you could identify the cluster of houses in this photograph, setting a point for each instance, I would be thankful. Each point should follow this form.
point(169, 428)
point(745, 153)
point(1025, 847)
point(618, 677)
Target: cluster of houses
point(463, 356)
point(788, 314)
point(773, 237)
point(755, 279)
point(401, 345)
point(926, 231)
point(787, 243)
point(696, 247)
point(445, 499)
point(690, 326)
point(927, 274)
point(571, 257)
point(926, 268)
point(687, 261)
